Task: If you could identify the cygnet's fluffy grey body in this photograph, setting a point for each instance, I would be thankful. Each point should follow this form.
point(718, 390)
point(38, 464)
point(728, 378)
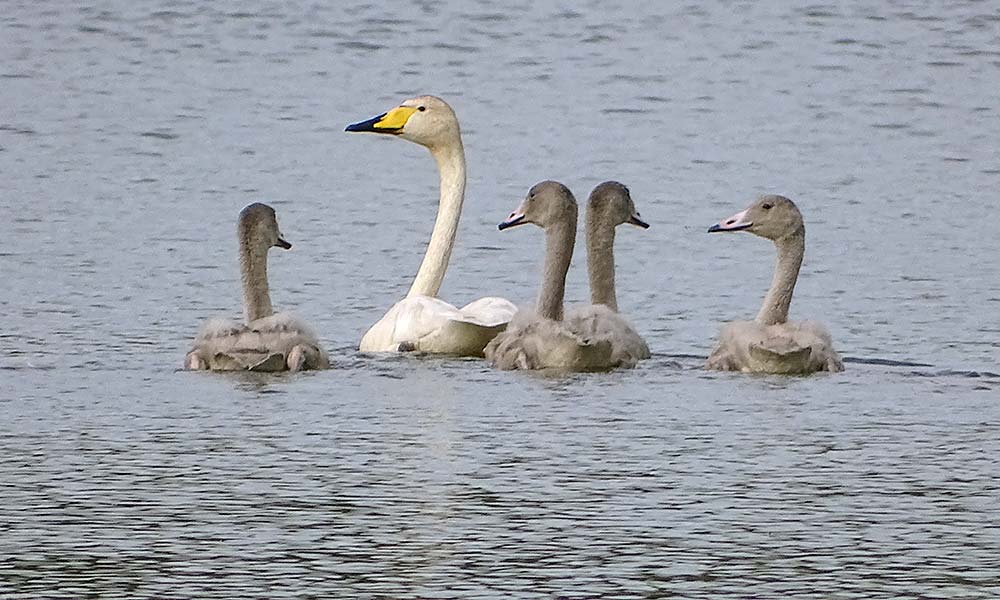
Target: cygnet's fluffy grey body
point(770, 343)
point(610, 205)
point(587, 339)
point(266, 341)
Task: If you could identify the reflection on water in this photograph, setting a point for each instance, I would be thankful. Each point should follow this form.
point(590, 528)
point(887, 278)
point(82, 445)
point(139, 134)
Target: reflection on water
point(133, 134)
point(541, 487)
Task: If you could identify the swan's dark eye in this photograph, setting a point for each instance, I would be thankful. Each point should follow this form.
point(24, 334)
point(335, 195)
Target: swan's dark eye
point(421, 108)
point(767, 206)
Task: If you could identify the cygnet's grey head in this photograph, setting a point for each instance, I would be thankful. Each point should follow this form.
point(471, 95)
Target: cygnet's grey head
point(772, 217)
point(611, 201)
point(547, 203)
point(258, 226)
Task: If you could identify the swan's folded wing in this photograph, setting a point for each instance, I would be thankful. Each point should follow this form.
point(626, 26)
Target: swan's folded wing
point(460, 338)
point(273, 363)
point(817, 337)
point(427, 324)
point(795, 347)
point(489, 312)
point(410, 320)
point(246, 359)
point(732, 353)
point(780, 355)
point(598, 322)
point(751, 347)
point(546, 344)
point(564, 349)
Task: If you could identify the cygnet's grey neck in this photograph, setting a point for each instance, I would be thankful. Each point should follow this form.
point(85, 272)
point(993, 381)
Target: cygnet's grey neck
point(791, 249)
point(253, 273)
point(601, 258)
point(560, 238)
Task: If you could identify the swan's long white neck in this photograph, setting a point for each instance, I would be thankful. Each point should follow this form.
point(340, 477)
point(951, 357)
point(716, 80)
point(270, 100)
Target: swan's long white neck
point(451, 168)
point(253, 273)
point(791, 249)
point(601, 259)
point(559, 241)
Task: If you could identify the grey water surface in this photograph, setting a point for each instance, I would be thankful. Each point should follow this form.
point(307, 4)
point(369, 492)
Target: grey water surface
point(131, 133)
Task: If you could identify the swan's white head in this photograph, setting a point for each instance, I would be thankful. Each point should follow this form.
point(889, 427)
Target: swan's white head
point(611, 200)
point(772, 217)
point(546, 204)
point(258, 227)
point(425, 120)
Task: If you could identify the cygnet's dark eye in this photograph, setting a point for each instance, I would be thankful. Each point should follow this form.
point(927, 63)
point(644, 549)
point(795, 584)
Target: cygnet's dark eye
point(767, 206)
point(421, 108)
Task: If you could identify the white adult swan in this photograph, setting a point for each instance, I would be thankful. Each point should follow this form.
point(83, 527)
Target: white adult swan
point(609, 205)
point(771, 343)
point(542, 339)
point(421, 321)
point(268, 341)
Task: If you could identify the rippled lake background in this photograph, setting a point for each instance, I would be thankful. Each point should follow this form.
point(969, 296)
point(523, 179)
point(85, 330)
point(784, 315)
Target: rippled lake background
point(131, 133)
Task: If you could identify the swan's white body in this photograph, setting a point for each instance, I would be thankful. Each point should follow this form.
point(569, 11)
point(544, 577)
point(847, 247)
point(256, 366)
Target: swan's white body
point(771, 343)
point(427, 324)
point(422, 322)
point(267, 341)
point(281, 342)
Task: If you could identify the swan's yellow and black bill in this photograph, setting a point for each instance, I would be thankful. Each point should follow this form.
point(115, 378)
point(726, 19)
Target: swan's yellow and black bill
point(512, 221)
point(283, 243)
point(737, 222)
point(389, 122)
